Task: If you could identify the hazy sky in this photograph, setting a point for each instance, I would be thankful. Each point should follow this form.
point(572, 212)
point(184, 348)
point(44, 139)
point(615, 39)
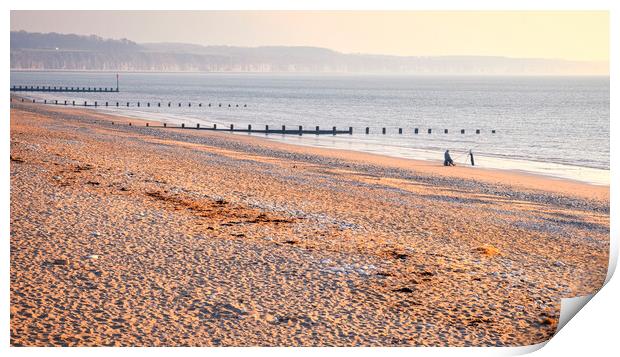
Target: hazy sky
point(565, 35)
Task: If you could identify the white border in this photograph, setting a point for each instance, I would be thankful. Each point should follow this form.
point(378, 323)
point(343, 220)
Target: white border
point(594, 329)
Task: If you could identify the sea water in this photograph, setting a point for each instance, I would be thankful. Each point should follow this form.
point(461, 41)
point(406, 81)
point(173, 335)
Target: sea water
point(556, 126)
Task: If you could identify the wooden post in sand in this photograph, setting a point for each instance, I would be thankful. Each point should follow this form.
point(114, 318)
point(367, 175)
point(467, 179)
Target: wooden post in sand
point(383, 131)
point(367, 130)
point(106, 104)
point(189, 104)
point(197, 125)
point(350, 130)
point(127, 104)
point(232, 127)
point(183, 125)
point(85, 103)
point(400, 130)
point(334, 130)
point(317, 130)
point(445, 131)
point(117, 104)
point(200, 104)
point(168, 104)
point(266, 129)
point(462, 131)
point(250, 128)
point(158, 104)
point(129, 124)
point(147, 124)
point(165, 125)
point(95, 103)
point(65, 102)
point(73, 103)
point(138, 104)
point(148, 104)
point(45, 101)
point(477, 131)
point(301, 129)
point(179, 105)
point(415, 131)
point(430, 131)
point(283, 128)
point(214, 126)
point(493, 131)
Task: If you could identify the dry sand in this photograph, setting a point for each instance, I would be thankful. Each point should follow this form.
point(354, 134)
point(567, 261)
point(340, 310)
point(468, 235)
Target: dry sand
point(136, 236)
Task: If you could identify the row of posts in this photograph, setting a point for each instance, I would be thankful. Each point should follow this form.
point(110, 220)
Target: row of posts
point(64, 89)
point(317, 129)
point(148, 104)
point(300, 129)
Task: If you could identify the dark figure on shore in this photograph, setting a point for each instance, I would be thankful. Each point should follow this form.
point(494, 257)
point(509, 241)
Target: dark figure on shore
point(471, 157)
point(447, 159)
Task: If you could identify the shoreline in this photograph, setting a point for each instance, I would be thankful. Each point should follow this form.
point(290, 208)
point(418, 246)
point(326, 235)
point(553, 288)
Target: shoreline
point(138, 236)
point(492, 175)
point(592, 175)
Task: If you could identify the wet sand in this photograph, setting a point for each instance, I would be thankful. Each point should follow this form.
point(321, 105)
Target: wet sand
point(137, 236)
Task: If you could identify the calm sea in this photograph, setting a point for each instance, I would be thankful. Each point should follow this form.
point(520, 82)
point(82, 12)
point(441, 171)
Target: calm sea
point(557, 126)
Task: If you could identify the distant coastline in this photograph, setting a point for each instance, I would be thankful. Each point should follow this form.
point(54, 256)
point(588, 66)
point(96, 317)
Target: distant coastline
point(53, 52)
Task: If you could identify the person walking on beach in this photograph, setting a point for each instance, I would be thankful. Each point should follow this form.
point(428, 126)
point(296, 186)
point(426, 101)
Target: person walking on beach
point(447, 159)
point(471, 157)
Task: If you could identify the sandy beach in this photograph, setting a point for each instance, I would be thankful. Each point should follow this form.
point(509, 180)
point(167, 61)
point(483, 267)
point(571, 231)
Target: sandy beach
point(138, 236)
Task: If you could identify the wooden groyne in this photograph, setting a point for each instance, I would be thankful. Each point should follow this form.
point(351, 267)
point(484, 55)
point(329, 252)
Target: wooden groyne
point(299, 130)
point(63, 89)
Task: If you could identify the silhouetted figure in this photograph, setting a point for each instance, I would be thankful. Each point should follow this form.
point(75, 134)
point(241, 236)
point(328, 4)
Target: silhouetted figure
point(447, 159)
point(471, 157)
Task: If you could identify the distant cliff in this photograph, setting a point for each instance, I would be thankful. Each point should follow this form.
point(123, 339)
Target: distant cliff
point(52, 51)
